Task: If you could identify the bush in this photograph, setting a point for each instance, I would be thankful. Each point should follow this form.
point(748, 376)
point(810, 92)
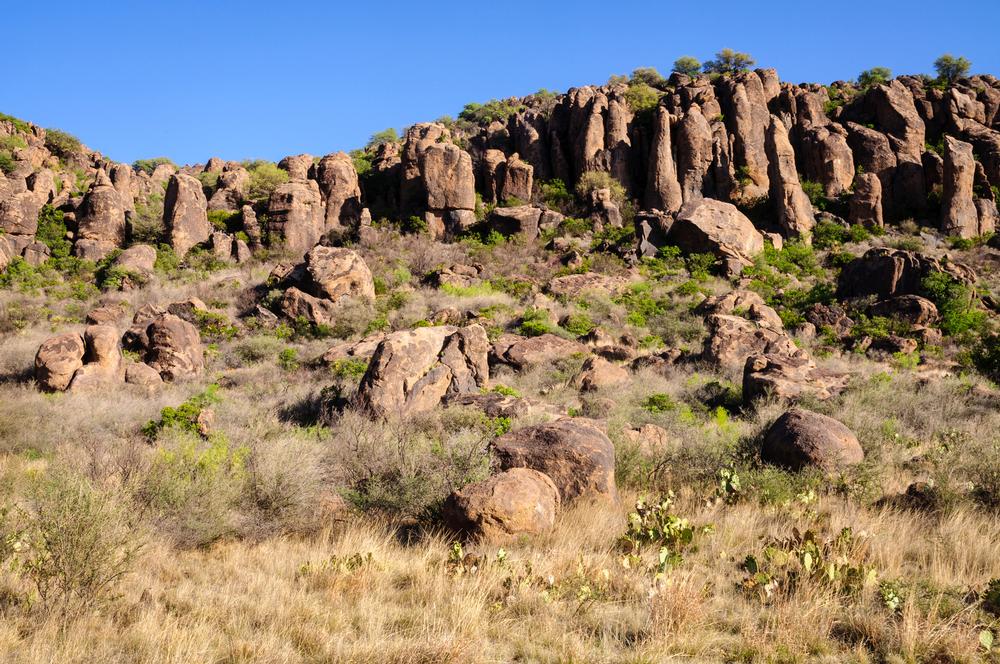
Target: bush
point(61, 143)
point(194, 485)
point(648, 76)
point(78, 543)
point(956, 304)
point(641, 97)
point(265, 176)
point(950, 69)
point(185, 416)
point(874, 76)
point(578, 324)
point(534, 323)
point(594, 180)
point(405, 469)
point(687, 65)
point(149, 165)
point(52, 232)
point(555, 195)
point(491, 111)
point(728, 61)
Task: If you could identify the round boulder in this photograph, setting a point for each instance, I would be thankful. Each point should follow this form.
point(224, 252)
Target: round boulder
point(516, 501)
point(578, 457)
point(801, 438)
point(57, 360)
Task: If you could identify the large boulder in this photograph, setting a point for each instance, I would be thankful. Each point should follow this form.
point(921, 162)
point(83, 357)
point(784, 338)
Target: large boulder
point(174, 348)
point(866, 201)
point(711, 226)
point(802, 438)
point(231, 189)
point(578, 457)
point(414, 370)
point(887, 272)
point(450, 185)
point(827, 158)
point(296, 215)
point(794, 211)
point(334, 273)
point(338, 185)
point(102, 362)
point(746, 112)
point(694, 155)
point(525, 352)
point(663, 191)
point(185, 213)
point(513, 502)
point(19, 214)
point(57, 360)
point(959, 216)
point(597, 373)
point(518, 180)
point(788, 378)
point(100, 220)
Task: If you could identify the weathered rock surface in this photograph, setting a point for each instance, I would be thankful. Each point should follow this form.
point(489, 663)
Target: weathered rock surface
point(174, 348)
point(788, 377)
point(519, 500)
point(101, 220)
point(414, 370)
point(57, 360)
point(185, 213)
point(341, 193)
point(794, 211)
point(801, 438)
point(959, 216)
point(296, 215)
point(576, 455)
point(886, 272)
point(524, 352)
point(711, 226)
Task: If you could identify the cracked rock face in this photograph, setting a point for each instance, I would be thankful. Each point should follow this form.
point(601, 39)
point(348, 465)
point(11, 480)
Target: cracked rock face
point(415, 370)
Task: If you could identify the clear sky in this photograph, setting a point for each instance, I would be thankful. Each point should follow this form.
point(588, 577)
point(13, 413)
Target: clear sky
point(250, 79)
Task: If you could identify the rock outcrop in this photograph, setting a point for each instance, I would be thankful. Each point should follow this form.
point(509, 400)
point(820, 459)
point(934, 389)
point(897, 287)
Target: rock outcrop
point(415, 370)
point(513, 502)
point(185, 213)
point(101, 220)
point(711, 226)
point(575, 454)
point(801, 438)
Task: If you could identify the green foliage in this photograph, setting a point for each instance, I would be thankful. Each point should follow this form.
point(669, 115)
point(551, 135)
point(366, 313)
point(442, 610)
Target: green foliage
point(594, 180)
point(380, 138)
point(785, 564)
point(830, 234)
point(728, 61)
point(224, 220)
point(578, 324)
point(76, 545)
point(62, 144)
point(555, 195)
point(640, 304)
point(955, 302)
point(659, 403)
point(19, 124)
point(491, 111)
point(653, 524)
point(504, 390)
point(642, 98)
point(149, 165)
point(869, 78)
point(687, 65)
point(185, 416)
point(288, 359)
point(265, 176)
point(648, 76)
point(534, 323)
point(7, 162)
point(950, 69)
point(52, 232)
point(351, 368)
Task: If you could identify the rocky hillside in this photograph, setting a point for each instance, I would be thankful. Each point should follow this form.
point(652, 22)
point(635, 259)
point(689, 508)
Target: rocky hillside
point(693, 367)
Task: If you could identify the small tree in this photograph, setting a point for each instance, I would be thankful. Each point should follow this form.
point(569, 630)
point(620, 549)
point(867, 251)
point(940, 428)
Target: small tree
point(950, 68)
point(728, 61)
point(380, 138)
point(649, 76)
point(687, 65)
point(874, 76)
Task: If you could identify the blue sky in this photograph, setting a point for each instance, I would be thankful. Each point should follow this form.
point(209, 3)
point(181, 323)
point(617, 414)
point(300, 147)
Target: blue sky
point(253, 79)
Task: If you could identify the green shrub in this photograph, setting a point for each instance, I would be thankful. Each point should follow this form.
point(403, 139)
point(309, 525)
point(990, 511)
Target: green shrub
point(351, 368)
point(593, 180)
point(265, 176)
point(492, 111)
point(185, 416)
point(193, 486)
point(77, 544)
point(874, 76)
point(955, 302)
point(62, 144)
point(642, 98)
point(149, 165)
point(554, 194)
point(687, 65)
point(728, 61)
point(659, 403)
point(578, 324)
point(52, 232)
point(950, 69)
point(224, 220)
point(534, 323)
point(288, 359)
